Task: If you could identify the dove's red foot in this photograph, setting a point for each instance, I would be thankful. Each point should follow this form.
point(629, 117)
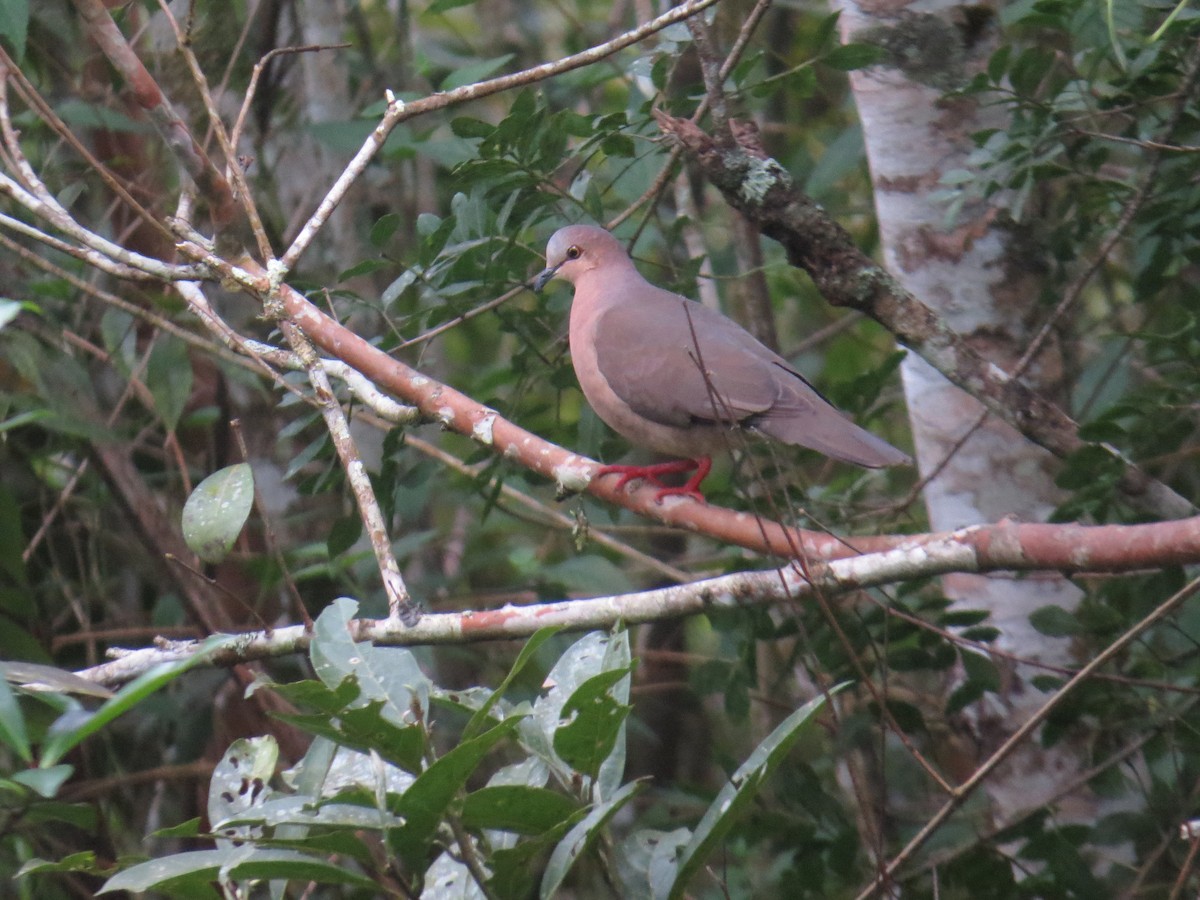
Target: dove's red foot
point(691, 488)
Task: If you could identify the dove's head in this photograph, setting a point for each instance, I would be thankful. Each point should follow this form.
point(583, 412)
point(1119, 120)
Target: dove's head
point(578, 249)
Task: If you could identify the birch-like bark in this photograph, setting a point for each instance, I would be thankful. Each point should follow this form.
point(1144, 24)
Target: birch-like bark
point(968, 273)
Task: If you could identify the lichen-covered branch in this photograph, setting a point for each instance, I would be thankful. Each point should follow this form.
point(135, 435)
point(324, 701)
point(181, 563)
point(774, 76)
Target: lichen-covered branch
point(991, 548)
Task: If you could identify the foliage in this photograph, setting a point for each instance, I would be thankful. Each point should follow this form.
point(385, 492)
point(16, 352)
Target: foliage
point(526, 792)
point(416, 766)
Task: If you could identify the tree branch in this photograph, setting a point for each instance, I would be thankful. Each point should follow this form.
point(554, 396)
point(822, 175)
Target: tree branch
point(1007, 546)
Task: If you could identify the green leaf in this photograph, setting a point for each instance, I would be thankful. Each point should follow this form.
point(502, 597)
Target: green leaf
point(189, 828)
point(390, 674)
point(733, 799)
point(520, 808)
point(366, 729)
point(593, 719)
point(962, 696)
point(481, 716)
point(618, 145)
point(169, 375)
point(981, 670)
point(515, 870)
point(426, 801)
point(45, 782)
point(468, 129)
point(69, 730)
point(83, 861)
point(14, 25)
point(39, 677)
point(588, 657)
point(239, 782)
point(366, 267)
point(437, 7)
point(382, 230)
point(647, 860)
point(854, 56)
point(217, 510)
point(243, 863)
point(581, 837)
point(342, 535)
point(12, 723)
point(1054, 621)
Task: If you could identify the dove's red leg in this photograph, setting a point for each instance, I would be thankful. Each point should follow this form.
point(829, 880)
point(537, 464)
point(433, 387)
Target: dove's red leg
point(702, 465)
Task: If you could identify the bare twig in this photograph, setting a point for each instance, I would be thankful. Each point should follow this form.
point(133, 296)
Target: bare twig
point(32, 194)
point(252, 88)
point(400, 603)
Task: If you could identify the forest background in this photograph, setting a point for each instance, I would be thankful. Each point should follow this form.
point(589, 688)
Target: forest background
point(307, 589)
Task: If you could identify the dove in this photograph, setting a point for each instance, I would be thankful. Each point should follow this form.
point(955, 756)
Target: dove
point(676, 377)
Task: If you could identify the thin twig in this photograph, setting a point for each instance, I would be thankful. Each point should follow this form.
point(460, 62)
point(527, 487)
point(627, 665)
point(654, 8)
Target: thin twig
point(400, 603)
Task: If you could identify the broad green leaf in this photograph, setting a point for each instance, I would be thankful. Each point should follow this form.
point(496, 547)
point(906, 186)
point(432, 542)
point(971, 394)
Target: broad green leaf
point(981, 670)
point(733, 799)
point(481, 716)
point(13, 733)
point(581, 837)
point(382, 231)
point(215, 513)
point(519, 808)
point(592, 723)
point(469, 129)
point(169, 375)
point(366, 729)
point(516, 869)
point(303, 810)
point(584, 659)
point(71, 728)
point(14, 25)
point(365, 267)
point(45, 782)
point(424, 805)
point(388, 674)
point(617, 655)
point(449, 879)
point(1054, 621)
point(646, 860)
point(240, 783)
point(243, 863)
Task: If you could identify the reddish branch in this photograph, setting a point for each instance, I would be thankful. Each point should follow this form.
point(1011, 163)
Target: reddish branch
point(1007, 545)
point(170, 126)
point(762, 190)
point(985, 548)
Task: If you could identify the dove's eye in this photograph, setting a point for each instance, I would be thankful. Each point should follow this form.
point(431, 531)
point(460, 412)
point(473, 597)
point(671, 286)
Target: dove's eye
point(573, 252)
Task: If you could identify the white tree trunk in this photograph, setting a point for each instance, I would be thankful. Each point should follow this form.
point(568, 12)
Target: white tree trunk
point(967, 273)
